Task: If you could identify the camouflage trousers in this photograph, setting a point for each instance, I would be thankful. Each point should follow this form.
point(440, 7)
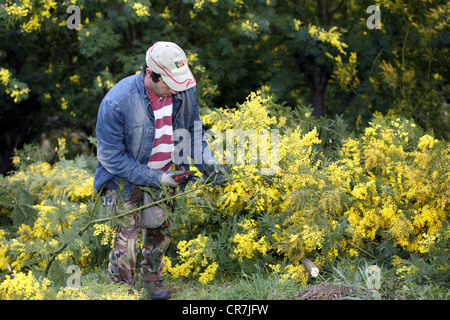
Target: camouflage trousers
point(122, 259)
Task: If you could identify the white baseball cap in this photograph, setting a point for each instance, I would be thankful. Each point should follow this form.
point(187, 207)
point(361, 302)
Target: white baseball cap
point(169, 60)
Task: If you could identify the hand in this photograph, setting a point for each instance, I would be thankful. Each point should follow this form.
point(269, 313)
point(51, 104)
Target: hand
point(216, 173)
point(168, 180)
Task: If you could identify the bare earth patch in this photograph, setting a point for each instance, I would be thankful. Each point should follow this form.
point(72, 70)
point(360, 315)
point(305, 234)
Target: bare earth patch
point(329, 291)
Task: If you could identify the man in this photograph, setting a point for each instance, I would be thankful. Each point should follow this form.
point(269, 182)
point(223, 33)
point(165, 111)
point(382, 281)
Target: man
point(138, 122)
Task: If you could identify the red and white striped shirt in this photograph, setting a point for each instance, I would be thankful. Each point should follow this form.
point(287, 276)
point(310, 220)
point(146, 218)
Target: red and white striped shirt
point(161, 157)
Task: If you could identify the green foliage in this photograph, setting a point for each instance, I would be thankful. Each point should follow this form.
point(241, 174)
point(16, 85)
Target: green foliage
point(304, 53)
point(365, 180)
point(48, 205)
point(318, 205)
point(379, 195)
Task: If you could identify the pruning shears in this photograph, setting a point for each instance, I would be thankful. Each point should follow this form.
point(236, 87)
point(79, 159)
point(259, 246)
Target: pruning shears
point(186, 176)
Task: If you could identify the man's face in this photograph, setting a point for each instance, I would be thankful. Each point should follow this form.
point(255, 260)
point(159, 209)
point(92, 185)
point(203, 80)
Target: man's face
point(160, 88)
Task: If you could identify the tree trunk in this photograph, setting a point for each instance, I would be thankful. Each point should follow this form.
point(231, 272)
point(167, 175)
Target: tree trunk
point(318, 79)
point(11, 138)
point(19, 123)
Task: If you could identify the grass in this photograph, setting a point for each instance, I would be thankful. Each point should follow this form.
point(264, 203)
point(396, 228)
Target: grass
point(346, 280)
point(342, 282)
point(254, 287)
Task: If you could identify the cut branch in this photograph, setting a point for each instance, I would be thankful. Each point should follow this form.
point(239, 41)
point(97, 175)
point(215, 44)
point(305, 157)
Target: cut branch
point(310, 266)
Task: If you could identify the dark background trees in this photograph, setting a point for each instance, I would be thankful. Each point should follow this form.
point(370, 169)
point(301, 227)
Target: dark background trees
point(311, 52)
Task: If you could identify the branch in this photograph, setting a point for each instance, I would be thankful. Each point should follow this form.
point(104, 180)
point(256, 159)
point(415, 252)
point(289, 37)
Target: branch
point(92, 222)
point(310, 266)
point(151, 204)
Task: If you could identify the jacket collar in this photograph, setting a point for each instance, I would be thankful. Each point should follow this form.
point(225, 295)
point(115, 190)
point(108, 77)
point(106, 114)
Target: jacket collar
point(143, 93)
point(143, 90)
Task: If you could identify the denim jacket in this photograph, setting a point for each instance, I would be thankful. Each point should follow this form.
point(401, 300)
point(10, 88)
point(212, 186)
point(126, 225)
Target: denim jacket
point(125, 132)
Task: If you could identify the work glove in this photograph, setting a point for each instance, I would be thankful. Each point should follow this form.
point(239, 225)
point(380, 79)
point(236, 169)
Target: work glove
point(217, 173)
point(168, 180)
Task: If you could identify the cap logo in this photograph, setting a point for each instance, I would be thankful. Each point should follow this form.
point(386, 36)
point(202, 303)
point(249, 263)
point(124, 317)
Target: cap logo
point(179, 64)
